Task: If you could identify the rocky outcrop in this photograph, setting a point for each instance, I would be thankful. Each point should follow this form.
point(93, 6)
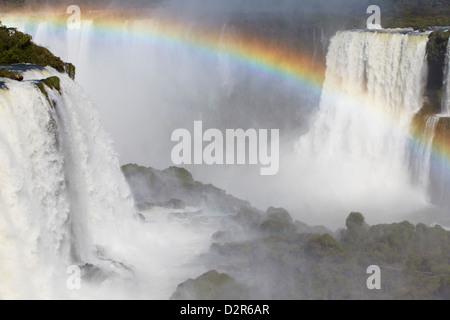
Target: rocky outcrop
point(414, 261)
point(53, 83)
point(211, 286)
point(436, 55)
point(442, 135)
point(17, 47)
point(176, 187)
point(5, 73)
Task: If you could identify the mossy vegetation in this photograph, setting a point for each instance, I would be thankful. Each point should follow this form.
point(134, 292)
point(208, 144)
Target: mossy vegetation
point(152, 188)
point(53, 83)
point(417, 14)
point(414, 259)
point(70, 70)
point(416, 22)
point(184, 176)
point(436, 55)
point(269, 255)
point(12, 4)
point(437, 48)
point(17, 47)
point(278, 221)
point(325, 247)
point(211, 286)
point(5, 73)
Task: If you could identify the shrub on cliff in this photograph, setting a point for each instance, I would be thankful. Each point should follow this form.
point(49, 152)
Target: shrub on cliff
point(211, 286)
point(53, 83)
point(279, 221)
point(437, 46)
point(5, 73)
point(325, 247)
point(18, 47)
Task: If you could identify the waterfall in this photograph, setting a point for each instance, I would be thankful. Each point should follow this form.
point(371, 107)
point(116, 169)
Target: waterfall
point(62, 193)
point(358, 144)
point(421, 157)
point(446, 97)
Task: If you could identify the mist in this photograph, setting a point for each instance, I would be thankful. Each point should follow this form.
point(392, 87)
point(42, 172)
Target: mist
point(164, 86)
point(337, 155)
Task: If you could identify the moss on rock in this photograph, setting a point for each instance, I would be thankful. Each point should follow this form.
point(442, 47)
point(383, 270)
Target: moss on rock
point(156, 187)
point(279, 221)
point(5, 73)
point(436, 55)
point(211, 286)
point(325, 246)
point(437, 46)
point(70, 70)
point(17, 47)
point(184, 176)
point(53, 83)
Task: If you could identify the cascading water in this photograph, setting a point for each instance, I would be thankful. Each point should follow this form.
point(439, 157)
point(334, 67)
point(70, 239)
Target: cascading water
point(446, 97)
point(62, 191)
point(422, 153)
point(209, 85)
point(357, 147)
point(365, 138)
point(63, 195)
point(64, 201)
point(429, 159)
point(125, 76)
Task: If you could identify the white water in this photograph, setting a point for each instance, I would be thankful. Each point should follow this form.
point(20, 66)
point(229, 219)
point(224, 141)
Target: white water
point(62, 191)
point(146, 87)
point(421, 157)
point(446, 98)
point(359, 141)
point(64, 201)
point(358, 146)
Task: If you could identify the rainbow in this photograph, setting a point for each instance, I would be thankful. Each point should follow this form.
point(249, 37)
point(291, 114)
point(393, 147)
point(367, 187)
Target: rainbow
point(257, 54)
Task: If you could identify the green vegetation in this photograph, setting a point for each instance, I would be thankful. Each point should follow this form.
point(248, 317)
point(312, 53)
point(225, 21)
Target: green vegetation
point(269, 255)
point(416, 22)
point(417, 14)
point(152, 187)
point(279, 221)
point(437, 47)
point(70, 70)
point(5, 73)
point(17, 47)
point(184, 176)
point(325, 247)
point(248, 217)
point(12, 4)
point(415, 262)
point(436, 55)
point(51, 83)
point(210, 286)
